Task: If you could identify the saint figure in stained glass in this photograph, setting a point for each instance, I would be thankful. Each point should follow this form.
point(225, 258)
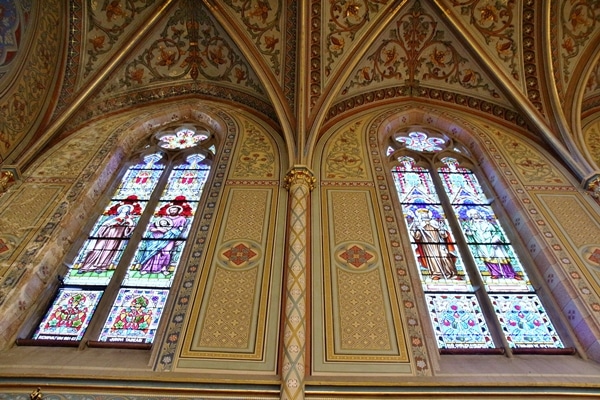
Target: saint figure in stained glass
point(110, 234)
point(434, 247)
point(490, 244)
point(155, 255)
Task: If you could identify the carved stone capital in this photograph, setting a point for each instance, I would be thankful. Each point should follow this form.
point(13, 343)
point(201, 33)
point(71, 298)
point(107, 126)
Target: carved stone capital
point(9, 175)
point(300, 175)
point(592, 186)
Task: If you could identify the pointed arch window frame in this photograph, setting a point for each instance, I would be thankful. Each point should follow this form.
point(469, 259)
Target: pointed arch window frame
point(106, 306)
point(468, 296)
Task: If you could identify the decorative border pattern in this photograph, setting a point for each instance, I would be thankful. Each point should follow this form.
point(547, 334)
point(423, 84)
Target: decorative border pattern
point(408, 92)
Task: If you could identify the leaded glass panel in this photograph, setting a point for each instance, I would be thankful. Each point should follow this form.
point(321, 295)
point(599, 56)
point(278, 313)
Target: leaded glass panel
point(413, 183)
point(524, 321)
point(101, 253)
point(458, 321)
point(69, 316)
point(134, 316)
point(420, 141)
point(461, 184)
point(141, 179)
point(455, 313)
point(435, 250)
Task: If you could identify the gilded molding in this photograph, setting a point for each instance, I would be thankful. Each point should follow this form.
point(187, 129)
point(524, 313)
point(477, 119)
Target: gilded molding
point(300, 175)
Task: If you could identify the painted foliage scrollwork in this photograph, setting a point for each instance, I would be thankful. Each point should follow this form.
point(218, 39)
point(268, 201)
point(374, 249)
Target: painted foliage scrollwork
point(346, 19)
point(415, 51)
point(261, 19)
point(191, 46)
point(494, 21)
point(579, 20)
point(107, 24)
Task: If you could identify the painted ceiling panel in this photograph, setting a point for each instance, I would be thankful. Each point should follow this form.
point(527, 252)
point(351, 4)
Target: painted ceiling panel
point(575, 23)
point(263, 22)
point(496, 26)
point(343, 21)
point(418, 50)
point(108, 25)
point(190, 47)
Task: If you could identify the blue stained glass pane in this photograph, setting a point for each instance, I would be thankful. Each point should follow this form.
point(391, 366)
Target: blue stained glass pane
point(458, 321)
point(496, 260)
point(461, 184)
point(187, 184)
point(154, 263)
point(69, 316)
point(500, 269)
point(525, 322)
point(413, 183)
point(134, 316)
point(141, 179)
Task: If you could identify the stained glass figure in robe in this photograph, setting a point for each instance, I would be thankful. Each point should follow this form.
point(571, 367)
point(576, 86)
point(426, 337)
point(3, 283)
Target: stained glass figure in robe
point(434, 245)
point(160, 249)
point(101, 253)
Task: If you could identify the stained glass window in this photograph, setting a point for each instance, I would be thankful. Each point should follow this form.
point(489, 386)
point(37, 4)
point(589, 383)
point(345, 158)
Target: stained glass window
point(133, 249)
point(466, 261)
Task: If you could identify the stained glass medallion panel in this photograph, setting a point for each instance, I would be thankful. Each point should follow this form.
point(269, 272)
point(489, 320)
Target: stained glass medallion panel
point(524, 321)
point(182, 139)
point(69, 316)
point(134, 316)
point(458, 321)
point(420, 141)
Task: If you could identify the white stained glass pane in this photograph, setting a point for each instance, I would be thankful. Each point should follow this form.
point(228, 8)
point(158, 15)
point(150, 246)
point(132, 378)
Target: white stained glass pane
point(524, 322)
point(458, 321)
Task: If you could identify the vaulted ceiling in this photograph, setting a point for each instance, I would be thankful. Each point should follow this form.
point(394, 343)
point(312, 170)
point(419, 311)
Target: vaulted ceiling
point(302, 64)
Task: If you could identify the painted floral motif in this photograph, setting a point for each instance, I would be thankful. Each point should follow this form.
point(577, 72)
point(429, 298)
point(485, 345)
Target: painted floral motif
point(592, 141)
point(261, 19)
point(189, 46)
point(578, 21)
point(528, 163)
point(19, 107)
point(345, 158)
point(417, 51)
point(108, 22)
point(346, 19)
point(256, 157)
point(494, 21)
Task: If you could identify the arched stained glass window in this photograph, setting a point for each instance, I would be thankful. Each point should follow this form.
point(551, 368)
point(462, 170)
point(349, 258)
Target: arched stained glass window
point(123, 272)
point(477, 291)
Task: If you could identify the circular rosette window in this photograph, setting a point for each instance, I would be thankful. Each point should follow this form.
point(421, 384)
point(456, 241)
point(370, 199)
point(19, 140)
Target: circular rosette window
point(182, 138)
point(239, 255)
point(356, 257)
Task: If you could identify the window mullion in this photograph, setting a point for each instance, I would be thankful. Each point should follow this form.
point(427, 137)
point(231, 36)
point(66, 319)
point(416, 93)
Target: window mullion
point(111, 290)
point(469, 264)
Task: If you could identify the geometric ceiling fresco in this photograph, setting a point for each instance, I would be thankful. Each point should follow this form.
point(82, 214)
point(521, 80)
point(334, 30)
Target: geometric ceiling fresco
point(304, 64)
point(14, 23)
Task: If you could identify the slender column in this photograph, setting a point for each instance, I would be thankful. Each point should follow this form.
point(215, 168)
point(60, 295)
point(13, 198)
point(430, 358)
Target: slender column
point(299, 182)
